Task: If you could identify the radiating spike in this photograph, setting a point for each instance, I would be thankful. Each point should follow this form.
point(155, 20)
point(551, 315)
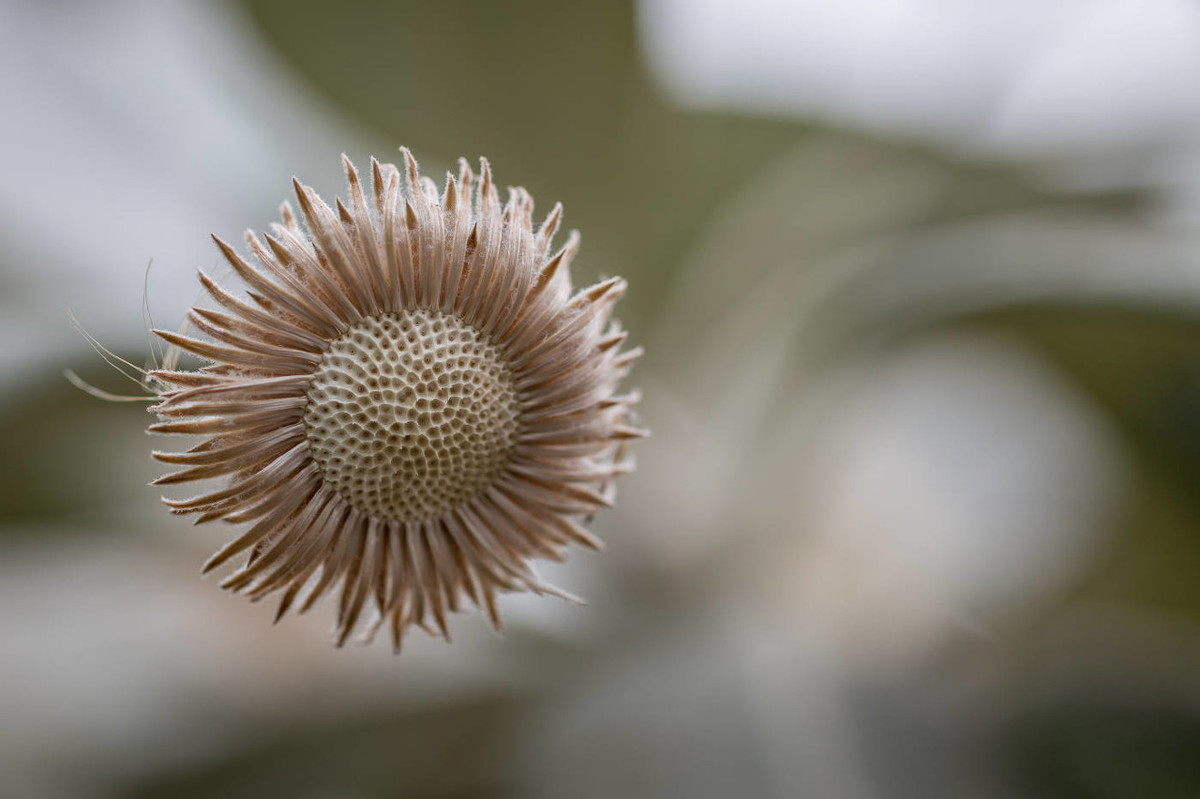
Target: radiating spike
point(413, 172)
point(289, 218)
point(378, 183)
point(330, 239)
point(545, 234)
point(275, 295)
point(343, 213)
point(376, 274)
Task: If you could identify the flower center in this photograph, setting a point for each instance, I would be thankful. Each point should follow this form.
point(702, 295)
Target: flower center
point(410, 414)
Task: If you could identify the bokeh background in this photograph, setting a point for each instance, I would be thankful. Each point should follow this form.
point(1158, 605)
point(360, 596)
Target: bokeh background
point(919, 283)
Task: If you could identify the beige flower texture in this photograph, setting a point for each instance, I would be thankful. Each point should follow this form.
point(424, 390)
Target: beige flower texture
point(407, 405)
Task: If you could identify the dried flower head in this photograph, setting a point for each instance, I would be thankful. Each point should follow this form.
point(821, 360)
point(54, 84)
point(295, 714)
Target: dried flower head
point(409, 405)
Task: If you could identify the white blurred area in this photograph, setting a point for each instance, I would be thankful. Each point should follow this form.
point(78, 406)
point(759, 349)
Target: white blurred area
point(135, 129)
point(931, 497)
point(959, 481)
point(1028, 77)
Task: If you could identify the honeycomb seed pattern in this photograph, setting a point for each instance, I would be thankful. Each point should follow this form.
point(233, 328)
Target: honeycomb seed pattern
point(411, 413)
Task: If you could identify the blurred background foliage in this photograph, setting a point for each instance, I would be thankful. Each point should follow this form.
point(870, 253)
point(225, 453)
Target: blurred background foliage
point(920, 513)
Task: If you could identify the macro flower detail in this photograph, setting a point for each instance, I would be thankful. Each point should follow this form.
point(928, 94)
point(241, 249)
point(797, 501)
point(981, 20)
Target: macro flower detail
point(408, 405)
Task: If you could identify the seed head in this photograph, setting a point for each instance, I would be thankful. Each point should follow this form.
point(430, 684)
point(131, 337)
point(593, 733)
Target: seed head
point(408, 406)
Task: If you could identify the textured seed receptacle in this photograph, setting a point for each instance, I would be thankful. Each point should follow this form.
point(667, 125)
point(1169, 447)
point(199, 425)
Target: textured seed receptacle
point(411, 413)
